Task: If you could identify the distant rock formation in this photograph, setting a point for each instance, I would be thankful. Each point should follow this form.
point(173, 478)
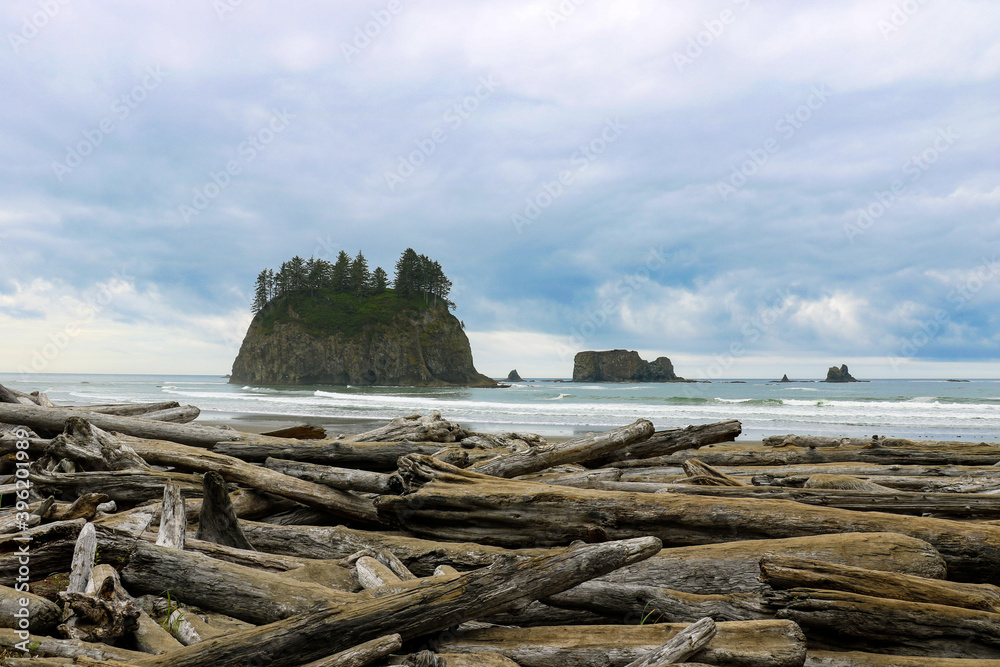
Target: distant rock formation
point(621, 366)
point(405, 346)
point(784, 378)
point(514, 377)
point(839, 375)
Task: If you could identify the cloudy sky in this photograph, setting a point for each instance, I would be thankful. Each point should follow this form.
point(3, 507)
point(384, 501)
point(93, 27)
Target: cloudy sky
point(750, 188)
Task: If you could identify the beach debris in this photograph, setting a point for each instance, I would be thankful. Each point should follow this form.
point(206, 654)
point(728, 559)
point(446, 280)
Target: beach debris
point(442, 546)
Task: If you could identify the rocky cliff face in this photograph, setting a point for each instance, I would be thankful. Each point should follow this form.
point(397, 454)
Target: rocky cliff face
point(621, 366)
point(415, 348)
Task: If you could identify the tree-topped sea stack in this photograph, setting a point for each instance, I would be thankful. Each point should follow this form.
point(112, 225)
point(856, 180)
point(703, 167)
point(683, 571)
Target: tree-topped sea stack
point(319, 323)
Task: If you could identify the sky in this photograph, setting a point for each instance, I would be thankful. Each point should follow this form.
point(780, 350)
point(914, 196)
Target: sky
point(749, 188)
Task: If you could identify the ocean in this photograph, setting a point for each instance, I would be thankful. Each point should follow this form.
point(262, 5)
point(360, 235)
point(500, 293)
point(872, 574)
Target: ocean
point(936, 409)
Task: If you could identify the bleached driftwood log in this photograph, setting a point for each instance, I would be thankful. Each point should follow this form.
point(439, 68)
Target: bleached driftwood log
point(773, 643)
point(540, 514)
point(681, 646)
point(572, 451)
point(425, 609)
point(345, 479)
point(413, 428)
point(663, 443)
point(217, 521)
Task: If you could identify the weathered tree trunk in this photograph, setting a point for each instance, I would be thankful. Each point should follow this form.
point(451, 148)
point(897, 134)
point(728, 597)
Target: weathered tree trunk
point(572, 451)
point(91, 448)
point(477, 506)
point(426, 609)
point(635, 603)
point(232, 469)
point(101, 613)
point(361, 655)
point(241, 592)
point(42, 614)
point(663, 443)
point(906, 628)
point(956, 505)
point(681, 646)
point(861, 659)
point(180, 415)
point(345, 479)
point(788, 572)
point(173, 519)
point(55, 419)
point(414, 429)
point(885, 452)
point(217, 522)
point(70, 648)
point(727, 567)
point(771, 643)
point(379, 456)
point(127, 487)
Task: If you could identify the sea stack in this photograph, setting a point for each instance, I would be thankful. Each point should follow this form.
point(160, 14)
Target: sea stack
point(621, 366)
point(403, 343)
point(514, 377)
point(841, 374)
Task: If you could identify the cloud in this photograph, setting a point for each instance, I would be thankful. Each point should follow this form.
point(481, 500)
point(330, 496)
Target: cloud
point(793, 232)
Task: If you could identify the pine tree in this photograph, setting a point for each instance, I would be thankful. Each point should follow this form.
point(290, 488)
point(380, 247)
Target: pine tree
point(405, 282)
point(361, 277)
point(342, 273)
point(260, 297)
point(380, 281)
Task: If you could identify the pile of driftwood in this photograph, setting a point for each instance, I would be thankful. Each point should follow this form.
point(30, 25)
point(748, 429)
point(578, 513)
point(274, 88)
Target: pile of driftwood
point(131, 536)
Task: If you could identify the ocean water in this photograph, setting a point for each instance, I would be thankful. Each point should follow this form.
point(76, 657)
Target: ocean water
point(904, 408)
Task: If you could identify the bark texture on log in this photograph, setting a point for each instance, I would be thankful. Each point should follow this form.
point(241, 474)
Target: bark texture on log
point(361, 655)
point(572, 451)
point(786, 572)
point(681, 646)
point(862, 659)
point(771, 643)
point(893, 626)
point(663, 443)
point(425, 609)
point(455, 504)
point(217, 521)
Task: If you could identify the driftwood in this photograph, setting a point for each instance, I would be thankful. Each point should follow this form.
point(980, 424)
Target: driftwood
point(636, 603)
point(217, 521)
point(55, 419)
point(345, 479)
point(896, 626)
point(572, 451)
point(378, 456)
point(42, 615)
point(425, 609)
point(103, 612)
point(886, 452)
point(173, 519)
point(232, 469)
point(361, 655)
point(681, 646)
point(545, 515)
point(964, 505)
point(663, 443)
point(414, 428)
point(771, 643)
point(861, 659)
point(788, 572)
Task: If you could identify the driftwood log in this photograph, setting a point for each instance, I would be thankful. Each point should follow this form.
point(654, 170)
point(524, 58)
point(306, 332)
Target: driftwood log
point(475, 505)
point(426, 609)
